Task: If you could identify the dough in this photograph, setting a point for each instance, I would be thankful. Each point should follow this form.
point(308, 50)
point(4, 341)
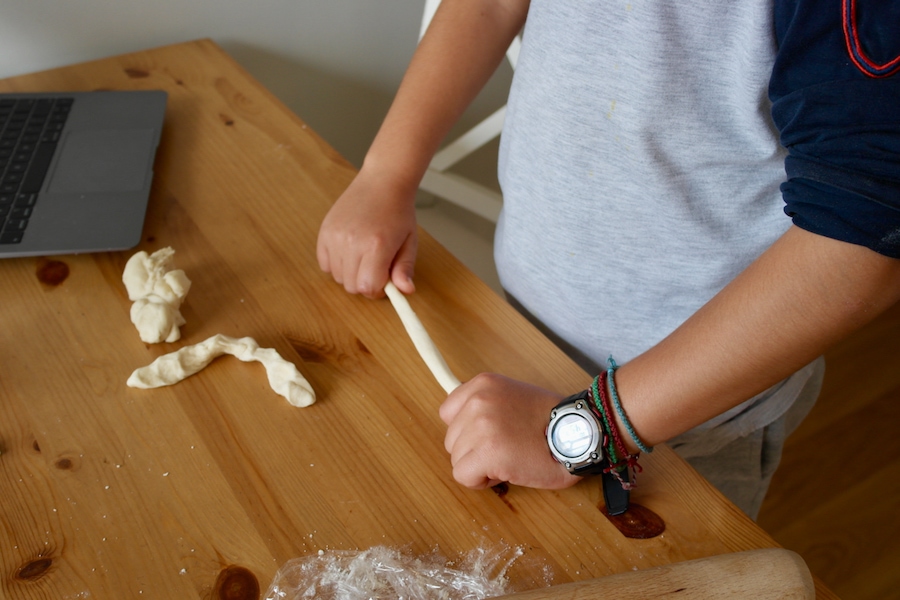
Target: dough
point(157, 292)
point(421, 340)
point(171, 368)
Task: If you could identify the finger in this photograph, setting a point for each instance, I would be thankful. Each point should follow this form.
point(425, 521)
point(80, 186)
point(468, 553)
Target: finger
point(450, 440)
point(467, 472)
point(374, 271)
point(457, 430)
point(336, 264)
point(349, 273)
point(403, 269)
point(322, 255)
point(454, 402)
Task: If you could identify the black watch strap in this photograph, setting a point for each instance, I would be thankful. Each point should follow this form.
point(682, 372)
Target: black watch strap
point(615, 496)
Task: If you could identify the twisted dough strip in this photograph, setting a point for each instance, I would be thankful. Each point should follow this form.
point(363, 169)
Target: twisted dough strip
point(421, 340)
point(171, 368)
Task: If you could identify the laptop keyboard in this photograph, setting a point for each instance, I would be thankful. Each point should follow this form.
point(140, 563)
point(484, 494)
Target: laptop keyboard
point(29, 132)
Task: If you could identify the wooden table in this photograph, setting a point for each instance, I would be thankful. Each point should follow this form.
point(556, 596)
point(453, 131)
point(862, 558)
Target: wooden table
point(112, 492)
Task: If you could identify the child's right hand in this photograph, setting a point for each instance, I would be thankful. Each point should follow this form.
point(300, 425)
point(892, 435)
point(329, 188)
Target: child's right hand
point(369, 236)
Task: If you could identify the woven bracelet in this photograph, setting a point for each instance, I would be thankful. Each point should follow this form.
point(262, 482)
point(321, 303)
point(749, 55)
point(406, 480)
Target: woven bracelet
point(599, 410)
point(627, 460)
point(619, 410)
point(606, 409)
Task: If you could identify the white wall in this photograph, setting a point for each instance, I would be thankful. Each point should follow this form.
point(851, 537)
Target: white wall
point(337, 63)
point(368, 41)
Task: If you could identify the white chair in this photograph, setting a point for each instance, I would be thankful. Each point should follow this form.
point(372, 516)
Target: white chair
point(452, 187)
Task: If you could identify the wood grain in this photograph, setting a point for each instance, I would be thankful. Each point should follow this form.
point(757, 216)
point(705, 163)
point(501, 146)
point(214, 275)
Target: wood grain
point(839, 511)
point(212, 484)
point(734, 575)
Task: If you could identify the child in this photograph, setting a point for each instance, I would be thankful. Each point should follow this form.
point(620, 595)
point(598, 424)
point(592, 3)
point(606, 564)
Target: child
point(642, 155)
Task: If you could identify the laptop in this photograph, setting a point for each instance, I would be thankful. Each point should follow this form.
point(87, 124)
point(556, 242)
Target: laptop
point(76, 170)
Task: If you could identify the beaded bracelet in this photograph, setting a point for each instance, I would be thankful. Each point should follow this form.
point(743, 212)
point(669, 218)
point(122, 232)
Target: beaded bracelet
point(619, 410)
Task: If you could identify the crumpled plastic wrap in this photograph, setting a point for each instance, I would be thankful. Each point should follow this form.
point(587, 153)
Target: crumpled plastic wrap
point(382, 573)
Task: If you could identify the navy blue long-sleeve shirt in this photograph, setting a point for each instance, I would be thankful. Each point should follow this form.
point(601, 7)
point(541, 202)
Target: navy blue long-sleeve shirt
point(835, 94)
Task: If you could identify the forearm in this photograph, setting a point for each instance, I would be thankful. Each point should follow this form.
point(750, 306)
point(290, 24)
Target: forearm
point(464, 44)
point(369, 235)
point(801, 296)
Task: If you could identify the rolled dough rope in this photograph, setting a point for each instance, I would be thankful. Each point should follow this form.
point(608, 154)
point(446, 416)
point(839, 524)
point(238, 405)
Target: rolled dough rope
point(421, 340)
point(171, 368)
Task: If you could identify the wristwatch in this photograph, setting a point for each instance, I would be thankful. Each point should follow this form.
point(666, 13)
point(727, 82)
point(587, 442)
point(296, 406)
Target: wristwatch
point(577, 441)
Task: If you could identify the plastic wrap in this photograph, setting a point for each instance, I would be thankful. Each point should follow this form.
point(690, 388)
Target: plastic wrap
point(386, 573)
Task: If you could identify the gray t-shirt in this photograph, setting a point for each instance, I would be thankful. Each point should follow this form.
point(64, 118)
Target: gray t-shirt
point(640, 171)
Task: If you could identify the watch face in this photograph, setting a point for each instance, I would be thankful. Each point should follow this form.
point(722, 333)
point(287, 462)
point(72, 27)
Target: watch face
point(572, 435)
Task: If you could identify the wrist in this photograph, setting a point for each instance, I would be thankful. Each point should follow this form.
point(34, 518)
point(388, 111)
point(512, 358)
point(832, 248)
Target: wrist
point(398, 164)
point(581, 438)
point(388, 183)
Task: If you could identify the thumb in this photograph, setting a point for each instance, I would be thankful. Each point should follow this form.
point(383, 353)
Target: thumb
point(405, 264)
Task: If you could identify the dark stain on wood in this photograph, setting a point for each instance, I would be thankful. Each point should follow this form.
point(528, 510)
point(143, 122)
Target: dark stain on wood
point(318, 352)
point(638, 522)
point(136, 73)
point(52, 272)
point(35, 569)
point(502, 489)
point(236, 583)
point(311, 351)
